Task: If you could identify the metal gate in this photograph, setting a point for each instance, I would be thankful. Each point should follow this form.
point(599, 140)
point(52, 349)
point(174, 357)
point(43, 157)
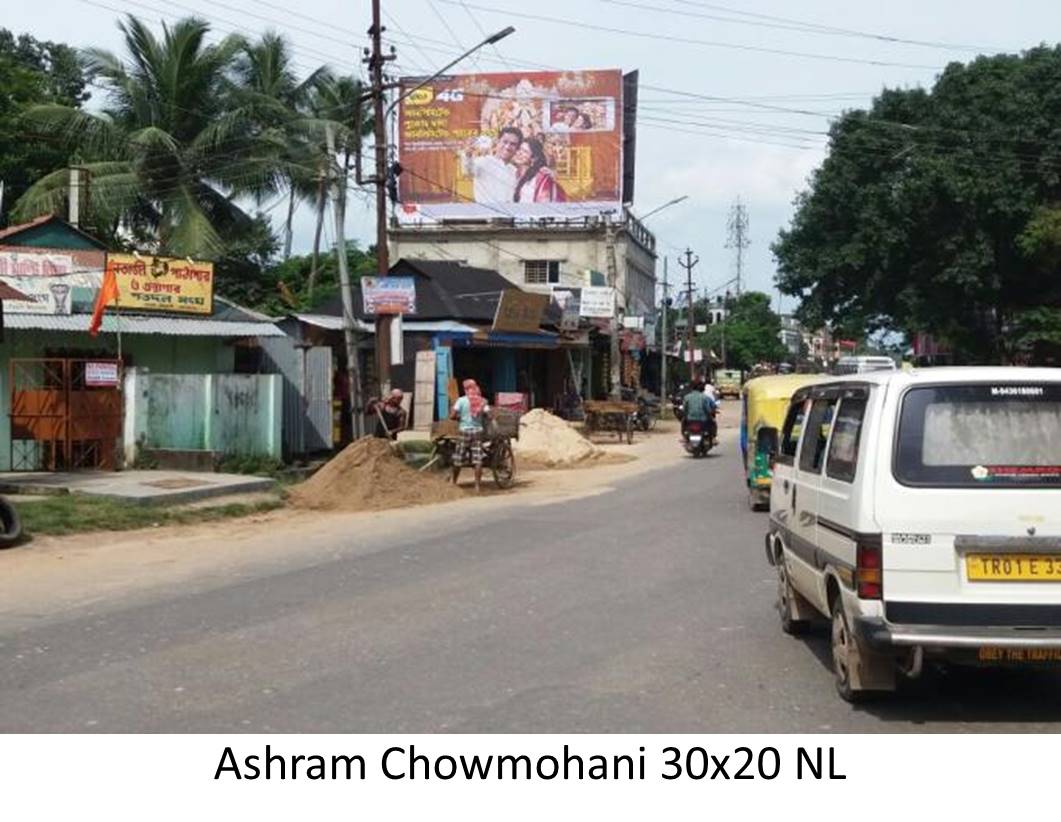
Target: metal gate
point(66, 414)
point(317, 377)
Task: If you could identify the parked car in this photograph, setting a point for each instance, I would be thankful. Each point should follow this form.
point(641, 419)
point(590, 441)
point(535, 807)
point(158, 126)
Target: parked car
point(920, 512)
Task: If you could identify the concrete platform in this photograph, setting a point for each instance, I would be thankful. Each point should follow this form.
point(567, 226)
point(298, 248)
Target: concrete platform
point(142, 487)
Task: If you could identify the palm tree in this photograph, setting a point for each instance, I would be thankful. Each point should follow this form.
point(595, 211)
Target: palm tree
point(272, 97)
point(341, 120)
point(169, 153)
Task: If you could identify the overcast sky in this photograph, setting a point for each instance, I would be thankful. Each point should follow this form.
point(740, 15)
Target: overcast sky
point(751, 146)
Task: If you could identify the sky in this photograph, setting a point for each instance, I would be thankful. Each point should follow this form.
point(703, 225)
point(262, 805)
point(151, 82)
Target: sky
point(736, 96)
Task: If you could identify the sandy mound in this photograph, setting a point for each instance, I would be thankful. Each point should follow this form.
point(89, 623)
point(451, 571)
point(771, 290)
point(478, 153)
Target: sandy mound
point(546, 440)
point(368, 476)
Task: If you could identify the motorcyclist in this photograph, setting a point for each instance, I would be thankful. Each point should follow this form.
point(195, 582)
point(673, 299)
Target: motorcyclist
point(697, 406)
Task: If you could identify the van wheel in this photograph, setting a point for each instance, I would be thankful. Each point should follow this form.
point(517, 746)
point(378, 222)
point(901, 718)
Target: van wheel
point(788, 602)
point(845, 654)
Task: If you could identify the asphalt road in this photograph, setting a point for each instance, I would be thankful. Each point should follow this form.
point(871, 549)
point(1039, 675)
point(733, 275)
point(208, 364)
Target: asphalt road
point(645, 609)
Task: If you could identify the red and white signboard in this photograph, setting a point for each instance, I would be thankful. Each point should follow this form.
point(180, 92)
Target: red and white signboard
point(101, 374)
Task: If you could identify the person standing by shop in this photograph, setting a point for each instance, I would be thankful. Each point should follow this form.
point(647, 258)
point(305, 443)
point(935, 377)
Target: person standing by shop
point(471, 411)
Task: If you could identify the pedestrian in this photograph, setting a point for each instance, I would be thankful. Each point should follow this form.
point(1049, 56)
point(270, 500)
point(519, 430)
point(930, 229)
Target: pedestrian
point(471, 411)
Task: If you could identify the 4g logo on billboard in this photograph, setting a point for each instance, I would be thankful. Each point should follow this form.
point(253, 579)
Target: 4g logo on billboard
point(423, 96)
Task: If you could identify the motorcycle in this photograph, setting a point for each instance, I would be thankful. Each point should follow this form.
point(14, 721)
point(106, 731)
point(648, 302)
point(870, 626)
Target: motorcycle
point(696, 436)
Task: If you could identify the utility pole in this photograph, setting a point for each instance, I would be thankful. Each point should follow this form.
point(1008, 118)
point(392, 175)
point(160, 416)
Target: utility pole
point(375, 61)
point(664, 338)
point(689, 263)
point(353, 369)
point(738, 237)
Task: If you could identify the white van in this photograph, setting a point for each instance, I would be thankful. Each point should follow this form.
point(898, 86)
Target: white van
point(920, 511)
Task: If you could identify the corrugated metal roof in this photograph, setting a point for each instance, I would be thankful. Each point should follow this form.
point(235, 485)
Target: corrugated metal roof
point(330, 323)
point(140, 324)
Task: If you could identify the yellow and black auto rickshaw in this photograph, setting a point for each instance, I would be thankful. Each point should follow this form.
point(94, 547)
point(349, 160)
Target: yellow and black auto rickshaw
point(764, 402)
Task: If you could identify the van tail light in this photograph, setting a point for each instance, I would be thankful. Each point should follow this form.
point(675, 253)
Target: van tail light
point(869, 572)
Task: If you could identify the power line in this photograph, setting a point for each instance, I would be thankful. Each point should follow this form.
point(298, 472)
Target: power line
point(818, 28)
point(690, 40)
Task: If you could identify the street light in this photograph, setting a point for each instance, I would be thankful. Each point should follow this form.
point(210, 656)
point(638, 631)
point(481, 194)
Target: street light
point(675, 201)
point(496, 37)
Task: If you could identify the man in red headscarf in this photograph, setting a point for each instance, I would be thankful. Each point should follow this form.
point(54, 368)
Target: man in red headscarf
point(471, 411)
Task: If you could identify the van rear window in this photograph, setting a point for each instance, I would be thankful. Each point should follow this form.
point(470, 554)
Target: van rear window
point(980, 436)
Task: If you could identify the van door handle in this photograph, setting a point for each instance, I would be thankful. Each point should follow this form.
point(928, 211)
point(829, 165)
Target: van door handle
point(794, 490)
point(785, 486)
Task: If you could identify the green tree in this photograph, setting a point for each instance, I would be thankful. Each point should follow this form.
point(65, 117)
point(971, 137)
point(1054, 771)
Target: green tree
point(752, 332)
point(934, 212)
point(170, 153)
point(32, 72)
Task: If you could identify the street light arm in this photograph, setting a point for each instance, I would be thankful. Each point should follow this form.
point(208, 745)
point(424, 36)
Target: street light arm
point(675, 201)
point(489, 41)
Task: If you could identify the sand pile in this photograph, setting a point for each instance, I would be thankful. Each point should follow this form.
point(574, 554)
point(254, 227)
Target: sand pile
point(547, 440)
point(368, 476)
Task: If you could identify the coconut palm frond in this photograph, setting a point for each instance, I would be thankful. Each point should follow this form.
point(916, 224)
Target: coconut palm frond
point(91, 134)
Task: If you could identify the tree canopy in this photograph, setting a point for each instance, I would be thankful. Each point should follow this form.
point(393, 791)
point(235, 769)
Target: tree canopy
point(32, 72)
point(940, 211)
point(750, 333)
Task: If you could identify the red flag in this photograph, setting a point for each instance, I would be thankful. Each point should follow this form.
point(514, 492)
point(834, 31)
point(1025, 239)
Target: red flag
point(108, 293)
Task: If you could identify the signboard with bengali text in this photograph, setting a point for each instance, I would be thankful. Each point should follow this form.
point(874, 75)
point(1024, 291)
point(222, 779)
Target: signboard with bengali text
point(389, 295)
point(48, 295)
point(148, 283)
point(527, 144)
point(34, 264)
point(597, 301)
point(101, 374)
point(519, 311)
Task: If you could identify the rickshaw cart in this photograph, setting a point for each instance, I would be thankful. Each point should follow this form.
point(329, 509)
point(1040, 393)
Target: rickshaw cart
point(501, 429)
point(610, 415)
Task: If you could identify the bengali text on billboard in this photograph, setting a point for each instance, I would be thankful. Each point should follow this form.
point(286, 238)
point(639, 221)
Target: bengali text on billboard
point(150, 283)
point(519, 145)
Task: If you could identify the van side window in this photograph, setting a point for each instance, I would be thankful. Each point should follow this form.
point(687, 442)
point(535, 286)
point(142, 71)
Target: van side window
point(792, 430)
point(819, 422)
point(847, 431)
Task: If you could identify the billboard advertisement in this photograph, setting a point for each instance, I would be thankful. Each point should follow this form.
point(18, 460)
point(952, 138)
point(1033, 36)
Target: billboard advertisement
point(150, 283)
point(511, 145)
point(389, 295)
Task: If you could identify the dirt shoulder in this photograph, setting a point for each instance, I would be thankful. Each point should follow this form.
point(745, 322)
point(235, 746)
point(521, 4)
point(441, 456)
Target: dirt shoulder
point(54, 574)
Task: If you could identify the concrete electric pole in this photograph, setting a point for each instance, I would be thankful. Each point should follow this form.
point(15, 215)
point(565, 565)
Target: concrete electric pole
point(689, 263)
point(375, 62)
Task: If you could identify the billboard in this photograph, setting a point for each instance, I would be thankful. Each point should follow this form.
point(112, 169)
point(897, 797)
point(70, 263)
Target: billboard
point(511, 145)
point(150, 283)
point(389, 295)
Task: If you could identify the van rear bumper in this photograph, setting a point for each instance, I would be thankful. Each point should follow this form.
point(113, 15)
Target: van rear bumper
point(877, 633)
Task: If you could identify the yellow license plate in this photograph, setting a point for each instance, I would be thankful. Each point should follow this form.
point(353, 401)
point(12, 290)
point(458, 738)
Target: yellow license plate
point(1013, 568)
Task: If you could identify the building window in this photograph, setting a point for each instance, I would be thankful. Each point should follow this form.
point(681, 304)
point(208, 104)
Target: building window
point(541, 272)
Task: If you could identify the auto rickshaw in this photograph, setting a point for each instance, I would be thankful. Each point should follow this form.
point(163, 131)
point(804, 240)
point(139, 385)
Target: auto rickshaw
point(764, 402)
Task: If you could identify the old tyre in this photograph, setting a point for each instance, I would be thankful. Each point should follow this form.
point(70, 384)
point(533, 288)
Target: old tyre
point(787, 599)
point(10, 523)
point(845, 656)
point(504, 466)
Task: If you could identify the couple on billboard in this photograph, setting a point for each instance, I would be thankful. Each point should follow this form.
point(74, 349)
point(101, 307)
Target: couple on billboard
point(516, 170)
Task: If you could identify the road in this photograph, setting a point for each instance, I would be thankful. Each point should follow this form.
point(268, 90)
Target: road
point(645, 608)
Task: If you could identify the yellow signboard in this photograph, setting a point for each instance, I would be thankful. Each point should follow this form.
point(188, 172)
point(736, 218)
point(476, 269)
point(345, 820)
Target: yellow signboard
point(163, 283)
